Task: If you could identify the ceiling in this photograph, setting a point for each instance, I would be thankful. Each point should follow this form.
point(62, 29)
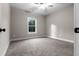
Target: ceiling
point(34, 9)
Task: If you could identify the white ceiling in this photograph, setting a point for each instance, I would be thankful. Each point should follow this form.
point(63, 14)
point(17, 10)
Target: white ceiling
point(32, 8)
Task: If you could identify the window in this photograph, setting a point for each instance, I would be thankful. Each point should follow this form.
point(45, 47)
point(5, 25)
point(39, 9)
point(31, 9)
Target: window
point(32, 25)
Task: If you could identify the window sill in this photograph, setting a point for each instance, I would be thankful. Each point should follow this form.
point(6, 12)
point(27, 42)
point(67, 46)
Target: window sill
point(32, 32)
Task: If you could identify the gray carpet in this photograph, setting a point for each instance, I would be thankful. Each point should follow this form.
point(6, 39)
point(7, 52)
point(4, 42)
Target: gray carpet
point(40, 47)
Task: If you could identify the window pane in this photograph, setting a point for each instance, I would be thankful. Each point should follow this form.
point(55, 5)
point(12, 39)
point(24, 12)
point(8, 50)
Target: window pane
point(32, 22)
point(31, 29)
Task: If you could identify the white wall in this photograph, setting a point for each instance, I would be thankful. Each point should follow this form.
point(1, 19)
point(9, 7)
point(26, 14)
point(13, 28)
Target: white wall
point(4, 23)
point(60, 24)
point(19, 25)
point(76, 24)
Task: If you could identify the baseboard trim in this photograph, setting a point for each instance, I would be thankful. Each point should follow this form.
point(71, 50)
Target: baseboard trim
point(15, 39)
point(61, 39)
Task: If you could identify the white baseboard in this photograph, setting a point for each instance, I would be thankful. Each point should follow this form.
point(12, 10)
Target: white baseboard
point(15, 39)
point(61, 39)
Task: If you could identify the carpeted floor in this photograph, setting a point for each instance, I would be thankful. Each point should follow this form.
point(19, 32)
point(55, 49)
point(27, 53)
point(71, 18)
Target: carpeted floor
point(40, 47)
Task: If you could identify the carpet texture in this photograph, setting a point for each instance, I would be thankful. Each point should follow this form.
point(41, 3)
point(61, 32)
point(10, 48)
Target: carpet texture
point(40, 47)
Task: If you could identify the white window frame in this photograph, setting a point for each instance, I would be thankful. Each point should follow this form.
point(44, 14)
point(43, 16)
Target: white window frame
point(28, 25)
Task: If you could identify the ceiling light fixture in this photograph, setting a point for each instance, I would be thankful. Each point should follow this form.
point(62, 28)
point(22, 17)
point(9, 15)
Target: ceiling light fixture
point(44, 5)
